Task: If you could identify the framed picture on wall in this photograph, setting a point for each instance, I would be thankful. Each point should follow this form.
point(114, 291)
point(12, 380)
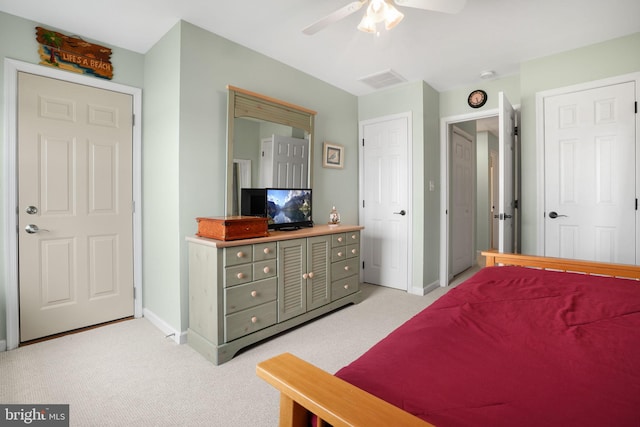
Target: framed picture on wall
point(332, 156)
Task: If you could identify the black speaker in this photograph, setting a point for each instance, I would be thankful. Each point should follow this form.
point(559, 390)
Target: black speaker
point(253, 202)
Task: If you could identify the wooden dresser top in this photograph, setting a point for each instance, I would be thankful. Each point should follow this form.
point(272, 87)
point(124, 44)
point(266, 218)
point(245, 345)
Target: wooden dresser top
point(316, 230)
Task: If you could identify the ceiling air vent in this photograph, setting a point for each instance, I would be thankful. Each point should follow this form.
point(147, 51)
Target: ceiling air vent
point(382, 79)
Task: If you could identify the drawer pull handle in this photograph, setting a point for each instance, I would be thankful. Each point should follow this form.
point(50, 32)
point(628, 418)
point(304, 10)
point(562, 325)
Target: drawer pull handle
point(305, 276)
point(267, 251)
point(346, 286)
point(354, 251)
point(354, 237)
point(266, 270)
point(340, 239)
point(339, 254)
point(311, 275)
point(346, 268)
point(240, 254)
point(240, 276)
point(254, 319)
point(254, 293)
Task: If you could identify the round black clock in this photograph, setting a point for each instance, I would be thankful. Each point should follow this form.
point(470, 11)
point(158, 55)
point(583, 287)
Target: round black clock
point(477, 98)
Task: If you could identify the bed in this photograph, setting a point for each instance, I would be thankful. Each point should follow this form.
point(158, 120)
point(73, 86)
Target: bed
point(527, 341)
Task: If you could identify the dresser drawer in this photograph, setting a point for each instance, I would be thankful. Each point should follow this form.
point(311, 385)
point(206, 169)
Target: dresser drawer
point(338, 254)
point(263, 251)
point(250, 320)
point(343, 287)
point(342, 269)
point(353, 250)
point(249, 295)
point(238, 274)
point(352, 237)
point(338, 239)
point(238, 255)
point(264, 269)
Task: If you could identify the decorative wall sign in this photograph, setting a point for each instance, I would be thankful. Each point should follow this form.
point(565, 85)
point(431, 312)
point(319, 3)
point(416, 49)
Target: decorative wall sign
point(73, 54)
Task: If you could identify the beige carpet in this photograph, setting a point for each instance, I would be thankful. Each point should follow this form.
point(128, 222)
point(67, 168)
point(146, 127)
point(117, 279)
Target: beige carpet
point(129, 374)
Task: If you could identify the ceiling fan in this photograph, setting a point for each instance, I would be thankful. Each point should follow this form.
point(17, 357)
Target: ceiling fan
point(383, 10)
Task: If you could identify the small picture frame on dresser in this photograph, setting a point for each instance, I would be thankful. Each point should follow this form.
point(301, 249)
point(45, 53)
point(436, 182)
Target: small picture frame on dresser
point(332, 156)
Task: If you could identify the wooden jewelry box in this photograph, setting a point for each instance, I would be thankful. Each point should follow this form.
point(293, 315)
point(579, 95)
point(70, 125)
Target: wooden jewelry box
point(232, 227)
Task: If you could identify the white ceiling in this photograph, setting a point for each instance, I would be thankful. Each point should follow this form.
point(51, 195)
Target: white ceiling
point(446, 51)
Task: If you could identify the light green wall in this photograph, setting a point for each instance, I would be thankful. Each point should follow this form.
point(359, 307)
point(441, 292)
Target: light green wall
point(161, 238)
point(454, 102)
point(431, 160)
point(422, 102)
point(18, 42)
point(611, 58)
point(208, 64)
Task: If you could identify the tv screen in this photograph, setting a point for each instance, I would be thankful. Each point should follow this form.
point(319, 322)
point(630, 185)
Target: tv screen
point(289, 208)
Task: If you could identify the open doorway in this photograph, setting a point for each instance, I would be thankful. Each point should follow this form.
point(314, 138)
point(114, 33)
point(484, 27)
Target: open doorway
point(508, 183)
point(473, 191)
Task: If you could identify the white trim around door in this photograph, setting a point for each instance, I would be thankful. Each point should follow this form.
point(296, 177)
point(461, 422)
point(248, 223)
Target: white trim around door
point(11, 69)
point(445, 156)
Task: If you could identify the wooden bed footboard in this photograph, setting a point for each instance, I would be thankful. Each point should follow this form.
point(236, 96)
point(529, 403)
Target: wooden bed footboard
point(561, 264)
point(306, 389)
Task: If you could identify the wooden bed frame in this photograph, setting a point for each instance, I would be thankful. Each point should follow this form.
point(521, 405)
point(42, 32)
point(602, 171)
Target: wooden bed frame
point(306, 389)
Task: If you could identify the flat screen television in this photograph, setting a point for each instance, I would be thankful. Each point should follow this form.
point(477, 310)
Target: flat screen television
point(289, 208)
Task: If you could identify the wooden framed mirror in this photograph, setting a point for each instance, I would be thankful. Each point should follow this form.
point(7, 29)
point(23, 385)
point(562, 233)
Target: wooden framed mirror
point(257, 130)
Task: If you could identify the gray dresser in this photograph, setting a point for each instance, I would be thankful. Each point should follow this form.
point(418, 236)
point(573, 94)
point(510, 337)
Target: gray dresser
point(241, 292)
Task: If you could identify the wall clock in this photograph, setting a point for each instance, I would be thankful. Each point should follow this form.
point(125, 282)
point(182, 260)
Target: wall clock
point(477, 98)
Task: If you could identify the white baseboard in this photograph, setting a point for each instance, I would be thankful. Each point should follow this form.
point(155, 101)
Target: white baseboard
point(170, 332)
point(3, 345)
point(422, 291)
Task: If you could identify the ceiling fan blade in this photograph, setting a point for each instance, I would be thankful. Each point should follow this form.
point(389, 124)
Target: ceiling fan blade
point(339, 14)
point(445, 6)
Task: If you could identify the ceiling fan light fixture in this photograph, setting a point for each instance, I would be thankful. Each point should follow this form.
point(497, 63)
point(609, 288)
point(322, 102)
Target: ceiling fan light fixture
point(392, 17)
point(367, 24)
point(379, 11)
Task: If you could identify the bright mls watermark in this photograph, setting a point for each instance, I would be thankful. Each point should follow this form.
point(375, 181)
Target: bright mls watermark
point(34, 415)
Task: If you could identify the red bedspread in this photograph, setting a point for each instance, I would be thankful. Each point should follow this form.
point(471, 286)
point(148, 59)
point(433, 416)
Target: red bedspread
point(515, 347)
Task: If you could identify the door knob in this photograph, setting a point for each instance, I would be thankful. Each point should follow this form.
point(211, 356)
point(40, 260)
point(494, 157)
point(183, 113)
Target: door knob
point(402, 212)
point(554, 215)
point(32, 229)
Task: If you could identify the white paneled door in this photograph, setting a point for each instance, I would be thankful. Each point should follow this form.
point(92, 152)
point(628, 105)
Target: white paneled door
point(590, 174)
point(285, 162)
point(462, 211)
point(75, 219)
point(386, 215)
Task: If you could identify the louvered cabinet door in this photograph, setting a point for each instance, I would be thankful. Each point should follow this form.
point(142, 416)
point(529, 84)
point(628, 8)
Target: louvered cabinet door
point(319, 270)
point(292, 278)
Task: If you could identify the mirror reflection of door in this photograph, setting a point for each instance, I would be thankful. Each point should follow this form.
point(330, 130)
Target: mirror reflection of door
point(253, 140)
point(284, 162)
